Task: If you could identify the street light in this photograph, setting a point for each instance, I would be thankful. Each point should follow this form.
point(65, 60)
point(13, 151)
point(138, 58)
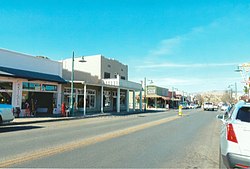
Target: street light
point(145, 92)
point(231, 91)
point(173, 96)
point(72, 83)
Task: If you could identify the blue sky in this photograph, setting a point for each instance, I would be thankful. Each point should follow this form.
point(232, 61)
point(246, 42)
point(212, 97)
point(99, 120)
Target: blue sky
point(193, 45)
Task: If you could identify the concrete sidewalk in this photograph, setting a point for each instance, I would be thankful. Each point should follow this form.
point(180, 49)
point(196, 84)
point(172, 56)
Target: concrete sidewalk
point(32, 120)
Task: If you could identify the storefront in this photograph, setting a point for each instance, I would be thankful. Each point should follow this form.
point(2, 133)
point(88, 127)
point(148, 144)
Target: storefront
point(93, 98)
point(41, 97)
point(157, 97)
point(31, 84)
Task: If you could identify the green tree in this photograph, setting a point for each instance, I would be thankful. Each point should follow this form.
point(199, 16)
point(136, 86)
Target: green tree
point(246, 90)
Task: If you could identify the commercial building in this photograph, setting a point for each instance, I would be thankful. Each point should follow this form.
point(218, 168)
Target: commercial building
point(33, 80)
point(100, 85)
point(157, 97)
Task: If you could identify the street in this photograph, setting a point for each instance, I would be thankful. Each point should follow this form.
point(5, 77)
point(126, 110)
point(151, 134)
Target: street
point(150, 140)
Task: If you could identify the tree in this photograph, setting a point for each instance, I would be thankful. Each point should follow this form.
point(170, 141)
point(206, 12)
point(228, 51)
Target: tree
point(246, 90)
point(226, 98)
point(199, 98)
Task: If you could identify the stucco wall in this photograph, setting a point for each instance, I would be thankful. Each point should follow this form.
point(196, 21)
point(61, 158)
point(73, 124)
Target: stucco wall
point(16, 60)
point(89, 71)
point(114, 67)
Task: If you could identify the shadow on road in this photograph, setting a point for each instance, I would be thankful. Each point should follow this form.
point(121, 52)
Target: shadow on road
point(17, 128)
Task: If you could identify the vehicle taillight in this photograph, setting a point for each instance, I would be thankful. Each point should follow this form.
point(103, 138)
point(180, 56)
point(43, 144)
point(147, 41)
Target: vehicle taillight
point(231, 134)
point(242, 166)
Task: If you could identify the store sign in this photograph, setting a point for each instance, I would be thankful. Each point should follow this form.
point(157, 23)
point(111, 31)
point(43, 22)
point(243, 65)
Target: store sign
point(151, 90)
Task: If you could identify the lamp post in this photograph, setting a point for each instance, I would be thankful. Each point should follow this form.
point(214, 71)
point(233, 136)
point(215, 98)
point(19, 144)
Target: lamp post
point(145, 92)
point(230, 92)
point(72, 83)
point(173, 96)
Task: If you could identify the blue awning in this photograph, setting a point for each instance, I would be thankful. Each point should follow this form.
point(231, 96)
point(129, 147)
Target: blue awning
point(10, 72)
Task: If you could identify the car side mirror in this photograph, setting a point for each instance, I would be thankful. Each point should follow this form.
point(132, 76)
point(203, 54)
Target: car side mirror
point(221, 117)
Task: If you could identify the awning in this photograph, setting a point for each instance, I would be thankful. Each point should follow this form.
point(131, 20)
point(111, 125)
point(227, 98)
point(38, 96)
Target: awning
point(158, 96)
point(10, 72)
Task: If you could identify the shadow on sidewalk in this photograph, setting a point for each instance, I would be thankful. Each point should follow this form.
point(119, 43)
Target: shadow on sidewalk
point(6, 129)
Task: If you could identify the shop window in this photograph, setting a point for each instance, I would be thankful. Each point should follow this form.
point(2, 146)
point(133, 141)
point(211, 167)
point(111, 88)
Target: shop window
point(91, 98)
point(80, 91)
point(5, 97)
point(80, 103)
point(68, 91)
point(5, 85)
point(5, 92)
point(123, 98)
point(114, 94)
point(107, 98)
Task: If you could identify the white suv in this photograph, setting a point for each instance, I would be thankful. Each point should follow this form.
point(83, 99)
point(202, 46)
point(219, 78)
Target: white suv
point(235, 137)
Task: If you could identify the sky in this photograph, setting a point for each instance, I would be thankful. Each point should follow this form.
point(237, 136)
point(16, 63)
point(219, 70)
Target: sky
point(191, 45)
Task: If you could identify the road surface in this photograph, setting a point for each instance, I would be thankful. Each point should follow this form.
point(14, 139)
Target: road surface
point(151, 140)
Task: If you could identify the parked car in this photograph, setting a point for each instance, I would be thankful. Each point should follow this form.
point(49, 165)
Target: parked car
point(6, 114)
point(184, 105)
point(208, 106)
point(191, 106)
point(216, 107)
point(224, 107)
point(234, 138)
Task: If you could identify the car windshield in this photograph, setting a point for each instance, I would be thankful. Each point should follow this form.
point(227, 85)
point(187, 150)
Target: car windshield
point(244, 114)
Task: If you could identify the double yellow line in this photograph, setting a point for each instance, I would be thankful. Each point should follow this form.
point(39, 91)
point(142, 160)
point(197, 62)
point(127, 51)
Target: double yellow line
point(29, 156)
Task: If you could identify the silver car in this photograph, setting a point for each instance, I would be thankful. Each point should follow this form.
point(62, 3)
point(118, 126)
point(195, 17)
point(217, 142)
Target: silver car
point(235, 137)
point(6, 114)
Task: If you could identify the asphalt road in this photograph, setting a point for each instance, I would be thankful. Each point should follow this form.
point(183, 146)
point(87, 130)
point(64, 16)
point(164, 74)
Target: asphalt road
point(153, 140)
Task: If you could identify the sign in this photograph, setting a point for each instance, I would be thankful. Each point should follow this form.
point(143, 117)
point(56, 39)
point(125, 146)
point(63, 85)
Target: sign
point(151, 90)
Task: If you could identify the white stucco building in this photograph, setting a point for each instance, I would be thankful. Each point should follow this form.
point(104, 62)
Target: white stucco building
point(36, 80)
point(100, 84)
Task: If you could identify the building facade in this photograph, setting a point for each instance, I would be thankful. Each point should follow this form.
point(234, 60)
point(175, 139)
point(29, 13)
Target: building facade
point(33, 82)
point(100, 85)
point(38, 86)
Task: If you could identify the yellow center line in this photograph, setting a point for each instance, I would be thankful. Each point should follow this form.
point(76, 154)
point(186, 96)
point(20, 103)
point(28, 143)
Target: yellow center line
point(21, 158)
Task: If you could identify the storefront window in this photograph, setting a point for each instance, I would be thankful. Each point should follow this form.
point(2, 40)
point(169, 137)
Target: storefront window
point(68, 91)
point(5, 92)
point(5, 85)
point(107, 98)
point(80, 103)
point(123, 98)
point(5, 97)
point(91, 98)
